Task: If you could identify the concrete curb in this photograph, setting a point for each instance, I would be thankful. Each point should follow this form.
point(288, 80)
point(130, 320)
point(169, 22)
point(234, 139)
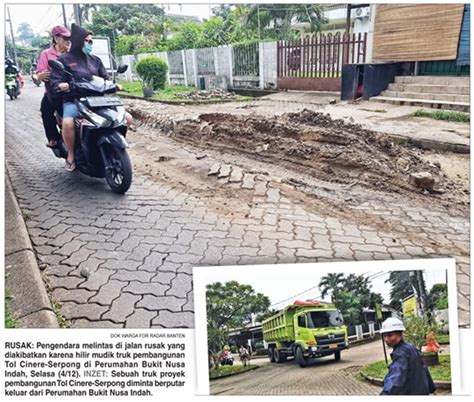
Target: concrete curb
point(379, 381)
point(425, 143)
point(29, 304)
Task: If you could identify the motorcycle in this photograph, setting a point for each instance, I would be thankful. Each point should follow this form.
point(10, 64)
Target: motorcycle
point(100, 146)
point(11, 86)
point(227, 359)
point(35, 79)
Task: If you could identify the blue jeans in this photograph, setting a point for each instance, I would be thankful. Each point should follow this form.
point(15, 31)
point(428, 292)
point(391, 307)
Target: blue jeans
point(70, 110)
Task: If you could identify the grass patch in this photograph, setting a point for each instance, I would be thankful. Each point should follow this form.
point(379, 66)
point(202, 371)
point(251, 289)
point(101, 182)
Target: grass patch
point(444, 115)
point(168, 93)
point(224, 371)
point(442, 372)
point(10, 321)
point(62, 321)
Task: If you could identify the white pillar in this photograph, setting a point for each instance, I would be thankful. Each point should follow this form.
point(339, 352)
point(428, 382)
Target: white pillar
point(183, 57)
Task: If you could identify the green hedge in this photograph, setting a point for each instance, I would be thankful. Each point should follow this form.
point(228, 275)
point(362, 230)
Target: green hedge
point(152, 70)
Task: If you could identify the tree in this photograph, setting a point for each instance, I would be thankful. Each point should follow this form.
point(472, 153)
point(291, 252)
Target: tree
point(349, 305)
point(331, 283)
point(275, 20)
point(25, 33)
point(438, 297)
point(230, 305)
point(404, 284)
point(263, 316)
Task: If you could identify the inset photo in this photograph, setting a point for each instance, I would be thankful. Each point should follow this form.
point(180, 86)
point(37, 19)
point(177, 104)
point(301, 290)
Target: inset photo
point(378, 328)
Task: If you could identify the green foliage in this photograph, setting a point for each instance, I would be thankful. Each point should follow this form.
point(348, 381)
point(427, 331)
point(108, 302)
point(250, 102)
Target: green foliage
point(261, 352)
point(418, 327)
point(225, 371)
point(230, 305)
point(350, 294)
point(331, 283)
point(275, 20)
point(441, 372)
point(152, 70)
point(25, 33)
point(444, 115)
point(438, 297)
point(189, 36)
point(10, 321)
point(404, 283)
point(350, 306)
point(24, 64)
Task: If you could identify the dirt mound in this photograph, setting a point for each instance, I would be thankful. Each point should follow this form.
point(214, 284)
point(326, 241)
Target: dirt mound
point(330, 150)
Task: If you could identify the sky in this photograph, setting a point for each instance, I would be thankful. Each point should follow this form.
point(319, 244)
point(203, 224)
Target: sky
point(42, 17)
point(284, 289)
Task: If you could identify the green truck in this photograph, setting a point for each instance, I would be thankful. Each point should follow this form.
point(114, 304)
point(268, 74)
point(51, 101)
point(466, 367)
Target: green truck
point(305, 330)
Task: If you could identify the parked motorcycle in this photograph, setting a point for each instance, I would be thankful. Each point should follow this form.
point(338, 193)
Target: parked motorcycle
point(227, 359)
point(35, 79)
point(100, 146)
point(11, 86)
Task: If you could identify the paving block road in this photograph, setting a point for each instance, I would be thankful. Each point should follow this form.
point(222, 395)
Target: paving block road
point(126, 261)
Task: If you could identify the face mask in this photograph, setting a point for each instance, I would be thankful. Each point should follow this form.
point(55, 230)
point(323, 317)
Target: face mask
point(87, 49)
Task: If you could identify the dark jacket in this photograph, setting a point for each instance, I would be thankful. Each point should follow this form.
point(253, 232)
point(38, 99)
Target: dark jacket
point(407, 375)
point(82, 66)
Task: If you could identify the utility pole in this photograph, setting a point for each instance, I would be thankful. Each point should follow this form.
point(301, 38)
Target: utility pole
point(64, 15)
point(77, 14)
point(11, 34)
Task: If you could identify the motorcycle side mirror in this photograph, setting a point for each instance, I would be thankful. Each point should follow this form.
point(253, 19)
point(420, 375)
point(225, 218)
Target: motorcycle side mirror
point(56, 64)
point(122, 69)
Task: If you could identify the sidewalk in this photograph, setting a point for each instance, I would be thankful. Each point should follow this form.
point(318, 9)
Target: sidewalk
point(395, 120)
point(29, 303)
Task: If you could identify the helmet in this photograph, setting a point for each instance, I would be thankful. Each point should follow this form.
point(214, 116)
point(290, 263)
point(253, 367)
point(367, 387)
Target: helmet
point(392, 324)
point(9, 62)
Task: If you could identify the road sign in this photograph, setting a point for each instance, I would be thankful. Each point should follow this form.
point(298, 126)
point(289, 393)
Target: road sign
point(409, 306)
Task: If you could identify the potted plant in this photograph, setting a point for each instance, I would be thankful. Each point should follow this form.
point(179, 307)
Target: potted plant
point(422, 333)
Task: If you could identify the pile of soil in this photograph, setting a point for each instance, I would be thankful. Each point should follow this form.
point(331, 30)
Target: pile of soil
point(314, 143)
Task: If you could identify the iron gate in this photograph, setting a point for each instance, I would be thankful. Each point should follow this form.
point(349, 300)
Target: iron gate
point(315, 62)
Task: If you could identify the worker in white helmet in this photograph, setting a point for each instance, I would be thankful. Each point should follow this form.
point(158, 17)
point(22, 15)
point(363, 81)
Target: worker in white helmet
point(407, 375)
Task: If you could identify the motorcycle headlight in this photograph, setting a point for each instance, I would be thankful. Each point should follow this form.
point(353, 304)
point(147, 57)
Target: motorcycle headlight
point(94, 117)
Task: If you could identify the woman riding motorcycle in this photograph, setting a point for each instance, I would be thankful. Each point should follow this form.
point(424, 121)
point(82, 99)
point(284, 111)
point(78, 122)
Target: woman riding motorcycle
point(83, 65)
point(61, 42)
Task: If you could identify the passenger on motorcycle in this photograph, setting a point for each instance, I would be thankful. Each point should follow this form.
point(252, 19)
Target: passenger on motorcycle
point(61, 42)
point(83, 65)
point(11, 68)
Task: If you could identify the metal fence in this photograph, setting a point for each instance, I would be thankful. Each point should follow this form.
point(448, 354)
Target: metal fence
point(315, 62)
point(245, 60)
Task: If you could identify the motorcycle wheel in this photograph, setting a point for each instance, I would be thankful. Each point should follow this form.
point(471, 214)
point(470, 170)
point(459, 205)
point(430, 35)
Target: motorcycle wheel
point(119, 175)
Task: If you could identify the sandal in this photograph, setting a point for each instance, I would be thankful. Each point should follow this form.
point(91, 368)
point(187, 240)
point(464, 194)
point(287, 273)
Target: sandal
point(70, 166)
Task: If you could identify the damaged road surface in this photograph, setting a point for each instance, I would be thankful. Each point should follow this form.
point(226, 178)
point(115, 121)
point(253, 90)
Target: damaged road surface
point(224, 189)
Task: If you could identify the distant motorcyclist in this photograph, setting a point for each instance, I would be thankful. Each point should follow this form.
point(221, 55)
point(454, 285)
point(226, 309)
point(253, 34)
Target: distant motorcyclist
point(61, 41)
point(82, 65)
point(12, 69)
point(244, 355)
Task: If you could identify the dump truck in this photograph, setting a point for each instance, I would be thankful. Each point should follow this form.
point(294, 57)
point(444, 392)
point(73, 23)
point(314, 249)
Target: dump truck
point(305, 329)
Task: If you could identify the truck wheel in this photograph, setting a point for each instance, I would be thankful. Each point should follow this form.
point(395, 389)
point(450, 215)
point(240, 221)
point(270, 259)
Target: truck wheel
point(299, 356)
point(279, 356)
point(337, 355)
point(271, 356)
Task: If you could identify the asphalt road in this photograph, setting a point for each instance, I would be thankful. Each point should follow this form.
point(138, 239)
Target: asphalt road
point(324, 376)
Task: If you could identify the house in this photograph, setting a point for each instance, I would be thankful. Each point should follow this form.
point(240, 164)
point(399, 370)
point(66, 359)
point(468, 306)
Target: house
point(425, 51)
point(336, 15)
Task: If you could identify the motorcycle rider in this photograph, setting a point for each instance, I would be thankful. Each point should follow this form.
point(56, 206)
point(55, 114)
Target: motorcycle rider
point(11, 68)
point(61, 42)
point(83, 65)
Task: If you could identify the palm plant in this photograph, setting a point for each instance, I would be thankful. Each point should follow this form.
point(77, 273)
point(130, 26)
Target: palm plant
point(331, 283)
